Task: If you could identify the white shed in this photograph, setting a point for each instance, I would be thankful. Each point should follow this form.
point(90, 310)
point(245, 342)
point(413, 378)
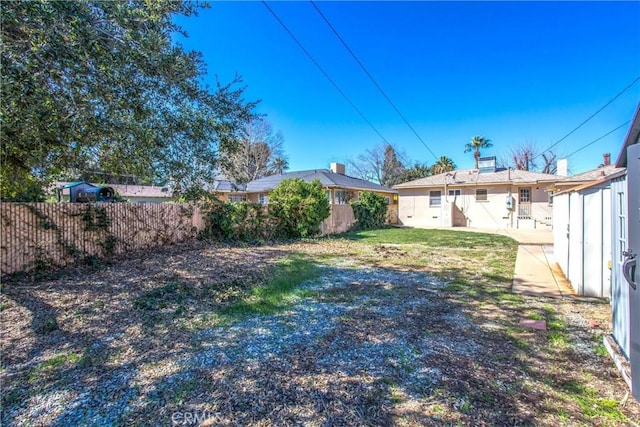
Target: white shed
point(625, 295)
point(582, 231)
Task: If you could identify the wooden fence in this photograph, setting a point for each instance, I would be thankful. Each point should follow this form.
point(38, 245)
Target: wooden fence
point(45, 234)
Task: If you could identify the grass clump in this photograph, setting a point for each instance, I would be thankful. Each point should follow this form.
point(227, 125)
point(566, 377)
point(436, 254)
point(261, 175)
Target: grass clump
point(592, 405)
point(278, 293)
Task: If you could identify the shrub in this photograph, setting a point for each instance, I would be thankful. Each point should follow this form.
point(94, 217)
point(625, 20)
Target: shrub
point(298, 208)
point(244, 221)
point(370, 211)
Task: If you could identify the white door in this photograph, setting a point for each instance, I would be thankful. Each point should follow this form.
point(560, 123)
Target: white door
point(631, 266)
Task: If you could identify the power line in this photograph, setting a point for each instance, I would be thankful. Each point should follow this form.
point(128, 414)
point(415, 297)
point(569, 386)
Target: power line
point(335, 85)
point(598, 139)
point(591, 116)
point(346, 46)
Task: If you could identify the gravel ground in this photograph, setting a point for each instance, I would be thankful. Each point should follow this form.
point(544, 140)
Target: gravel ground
point(373, 345)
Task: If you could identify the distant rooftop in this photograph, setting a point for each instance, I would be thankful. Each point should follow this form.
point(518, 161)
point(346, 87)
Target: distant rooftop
point(473, 177)
point(326, 177)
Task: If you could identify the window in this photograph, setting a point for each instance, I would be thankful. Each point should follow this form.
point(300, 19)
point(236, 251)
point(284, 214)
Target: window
point(525, 195)
point(341, 196)
point(481, 195)
point(435, 198)
point(454, 193)
point(237, 198)
point(263, 199)
point(622, 224)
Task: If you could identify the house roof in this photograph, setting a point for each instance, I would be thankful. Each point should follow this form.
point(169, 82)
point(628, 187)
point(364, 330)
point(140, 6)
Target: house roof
point(223, 185)
point(633, 137)
point(591, 175)
point(326, 177)
point(126, 190)
point(465, 177)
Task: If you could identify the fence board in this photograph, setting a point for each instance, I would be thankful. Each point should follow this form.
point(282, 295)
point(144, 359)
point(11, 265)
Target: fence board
point(43, 234)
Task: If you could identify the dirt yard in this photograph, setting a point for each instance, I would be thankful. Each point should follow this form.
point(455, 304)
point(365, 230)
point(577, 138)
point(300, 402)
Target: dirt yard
point(381, 334)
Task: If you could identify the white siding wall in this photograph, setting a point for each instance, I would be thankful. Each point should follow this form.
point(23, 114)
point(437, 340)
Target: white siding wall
point(597, 249)
point(619, 286)
point(581, 239)
point(574, 272)
point(414, 209)
point(561, 230)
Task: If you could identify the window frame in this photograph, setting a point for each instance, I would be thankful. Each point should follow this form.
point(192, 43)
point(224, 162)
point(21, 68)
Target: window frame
point(486, 195)
point(433, 199)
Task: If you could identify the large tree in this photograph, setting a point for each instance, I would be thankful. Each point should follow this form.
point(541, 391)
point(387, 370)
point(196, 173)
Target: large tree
point(392, 168)
point(370, 165)
point(476, 143)
point(101, 84)
point(417, 171)
point(528, 157)
point(258, 154)
point(442, 165)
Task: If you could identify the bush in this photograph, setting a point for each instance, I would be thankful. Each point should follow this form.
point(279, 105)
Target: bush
point(298, 208)
point(370, 211)
point(244, 221)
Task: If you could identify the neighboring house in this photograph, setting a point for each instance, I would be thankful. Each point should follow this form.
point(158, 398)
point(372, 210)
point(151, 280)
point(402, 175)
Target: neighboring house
point(625, 244)
point(228, 191)
point(131, 193)
point(340, 187)
point(488, 197)
point(582, 228)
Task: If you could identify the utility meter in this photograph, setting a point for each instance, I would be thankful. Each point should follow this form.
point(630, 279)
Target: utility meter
point(509, 202)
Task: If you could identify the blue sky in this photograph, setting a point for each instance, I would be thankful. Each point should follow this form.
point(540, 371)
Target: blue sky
point(514, 72)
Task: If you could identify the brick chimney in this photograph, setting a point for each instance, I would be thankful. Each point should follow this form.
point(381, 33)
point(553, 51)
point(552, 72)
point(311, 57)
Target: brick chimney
point(607, 159)
point(337, 168)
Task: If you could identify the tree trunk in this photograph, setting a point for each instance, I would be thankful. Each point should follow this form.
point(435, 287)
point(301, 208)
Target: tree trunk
point(476, 155)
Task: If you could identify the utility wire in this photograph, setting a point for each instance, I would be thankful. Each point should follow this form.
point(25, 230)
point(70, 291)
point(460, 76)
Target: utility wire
point(598, 139)
point(335, 85)
point(591, 116)
point(346, 46)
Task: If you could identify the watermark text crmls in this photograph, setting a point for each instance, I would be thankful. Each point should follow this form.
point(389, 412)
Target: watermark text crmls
point(190, 418)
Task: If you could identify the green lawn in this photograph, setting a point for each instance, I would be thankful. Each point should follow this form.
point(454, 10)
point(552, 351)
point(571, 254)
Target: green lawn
point(430, 237)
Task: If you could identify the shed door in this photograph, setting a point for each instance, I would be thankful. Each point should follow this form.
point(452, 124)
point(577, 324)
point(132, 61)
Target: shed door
point(633, 203)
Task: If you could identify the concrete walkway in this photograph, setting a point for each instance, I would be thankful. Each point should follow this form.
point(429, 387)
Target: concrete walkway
point(537, 273)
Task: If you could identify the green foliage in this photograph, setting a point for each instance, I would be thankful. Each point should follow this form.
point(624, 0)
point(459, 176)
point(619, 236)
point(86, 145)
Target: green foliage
point(442, 165)
point(298, 208)
point(18, 185)
point(101, 85)
point(417, 171)
point(370, 211)
point(476, 143)
point(244, 221)
point(392, 168)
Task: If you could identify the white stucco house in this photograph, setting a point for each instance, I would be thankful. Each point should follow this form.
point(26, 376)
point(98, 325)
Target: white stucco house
point(487, 197)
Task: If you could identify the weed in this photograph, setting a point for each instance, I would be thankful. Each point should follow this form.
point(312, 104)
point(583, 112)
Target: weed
point(52, 364)
point(558, 339)
point(590, 404)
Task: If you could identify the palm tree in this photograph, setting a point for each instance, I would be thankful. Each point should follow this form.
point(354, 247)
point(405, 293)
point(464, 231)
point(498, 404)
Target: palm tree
point(476, 143)
point(279, 165)
point(442, 165)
